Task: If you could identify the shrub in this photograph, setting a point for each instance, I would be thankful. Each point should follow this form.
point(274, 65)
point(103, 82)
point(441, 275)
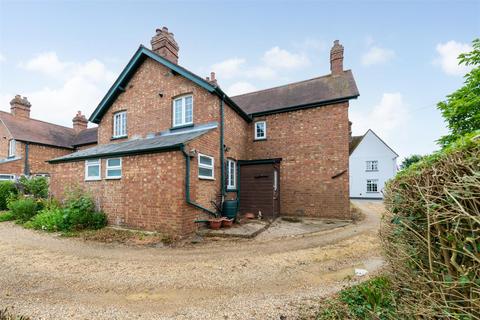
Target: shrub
point(49, 220)
point(6, 216)
point(431, 233)
point(35, 186)
point(76, 219)
point(7, 189)
point(23, 209)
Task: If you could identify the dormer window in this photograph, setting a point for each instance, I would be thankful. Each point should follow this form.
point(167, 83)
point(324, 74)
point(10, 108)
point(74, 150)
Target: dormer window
point(11, 148)
point(183, 111)
point(120, 124)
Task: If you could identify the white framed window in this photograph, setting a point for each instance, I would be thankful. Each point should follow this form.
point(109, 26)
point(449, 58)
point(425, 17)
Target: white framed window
point(12, 145)
point(7, 177)
point(372, 185)
point(93, 169)
point(260, 130)
point(120, 124)
point(113, 168)
point(182, 111)
point(372, 165)
point(231, 174)
point(205, 167)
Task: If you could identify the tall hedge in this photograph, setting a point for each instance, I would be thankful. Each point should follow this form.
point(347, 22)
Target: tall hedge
point(431, 233)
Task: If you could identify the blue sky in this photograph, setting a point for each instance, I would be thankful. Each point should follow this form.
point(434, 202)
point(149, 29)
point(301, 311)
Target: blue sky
point(65, 55)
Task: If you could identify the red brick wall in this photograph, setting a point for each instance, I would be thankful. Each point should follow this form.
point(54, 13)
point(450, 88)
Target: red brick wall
point(39, 154)
point(5, 137)
point(147, 112)
point(313, 145)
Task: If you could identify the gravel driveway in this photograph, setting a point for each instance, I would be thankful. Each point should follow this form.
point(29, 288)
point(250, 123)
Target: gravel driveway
point(47, 277)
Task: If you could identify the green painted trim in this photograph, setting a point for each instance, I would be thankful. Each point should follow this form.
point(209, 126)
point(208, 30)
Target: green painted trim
point(303, 106)
point(120, 153)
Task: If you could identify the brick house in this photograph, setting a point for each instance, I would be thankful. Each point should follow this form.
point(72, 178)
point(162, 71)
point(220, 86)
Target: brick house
point(26, 144)
point(172, 146)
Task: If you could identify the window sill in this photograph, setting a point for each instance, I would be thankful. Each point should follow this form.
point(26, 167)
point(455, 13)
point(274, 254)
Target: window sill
point(183, 126)
point(118, 138)
point(259, 139)
point(113, 178)
point(206, 178)
point(372, 192)
point(371, 170)
point(93, 179)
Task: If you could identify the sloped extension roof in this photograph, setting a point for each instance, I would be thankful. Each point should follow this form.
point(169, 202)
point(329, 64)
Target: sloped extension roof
point(140, 55)
point(134, 147)
point(41, 132)
point(298, 95)
point(356, 140)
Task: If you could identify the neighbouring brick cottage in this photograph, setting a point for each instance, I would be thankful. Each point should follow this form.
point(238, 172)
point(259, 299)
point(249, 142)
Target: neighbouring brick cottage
point(26, 144)
point(172, 145)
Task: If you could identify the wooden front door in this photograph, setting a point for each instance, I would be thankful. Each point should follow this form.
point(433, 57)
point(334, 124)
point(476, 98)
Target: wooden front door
point(260, 189)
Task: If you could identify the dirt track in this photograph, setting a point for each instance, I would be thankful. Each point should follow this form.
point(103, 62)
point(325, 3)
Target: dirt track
point(52, 278)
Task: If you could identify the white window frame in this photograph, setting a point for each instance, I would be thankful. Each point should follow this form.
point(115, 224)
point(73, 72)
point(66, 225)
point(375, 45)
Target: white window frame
point(372, 165)
point(12, 148)
point(121, 130)
point(11, 177)
point(93, 162)
point(372, 182)
point(264, 130)
point(231, 179)
point(108, 168)
point(183, 113)
point(205, 166)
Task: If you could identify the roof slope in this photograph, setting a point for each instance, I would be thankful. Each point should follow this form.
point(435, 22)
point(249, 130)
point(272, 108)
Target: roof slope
point(41, 132)
point(355, 142)
point(316, 91)
point(131, 147)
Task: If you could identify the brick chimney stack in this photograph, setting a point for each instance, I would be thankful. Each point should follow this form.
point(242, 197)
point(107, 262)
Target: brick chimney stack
point(79, 122)
point(336, 58)
point(20, 107)
point(164, 44)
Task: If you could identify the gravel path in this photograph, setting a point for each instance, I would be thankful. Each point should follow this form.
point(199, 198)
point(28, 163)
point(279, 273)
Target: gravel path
point(47, 277)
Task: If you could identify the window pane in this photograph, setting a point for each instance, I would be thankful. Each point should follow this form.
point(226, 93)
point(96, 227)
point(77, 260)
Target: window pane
point(93, 171)
point(178, 112)
point(205, 160)
point(205, 172)
point(260, 132)
point(113, 162)
point(114, 172)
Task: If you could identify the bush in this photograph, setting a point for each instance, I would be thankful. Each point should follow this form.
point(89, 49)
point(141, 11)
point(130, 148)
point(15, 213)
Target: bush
point(35, 186)
point(6, 216)
point(78, 220)
point(49, 220)
point(431, 233)
point(23, 209)
point(7, 189)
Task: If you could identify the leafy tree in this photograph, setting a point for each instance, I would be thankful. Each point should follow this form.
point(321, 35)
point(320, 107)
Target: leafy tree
point(408, 161)
point(461, 110)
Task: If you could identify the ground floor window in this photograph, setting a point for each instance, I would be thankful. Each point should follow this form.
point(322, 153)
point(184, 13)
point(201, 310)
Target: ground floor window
point(372, 185)
point(92, 169)
point(231, 174)
point(7, 177)
point(205, 167)
point(114, 168)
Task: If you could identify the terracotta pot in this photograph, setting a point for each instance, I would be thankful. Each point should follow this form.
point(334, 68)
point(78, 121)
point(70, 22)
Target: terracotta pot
point(215, 224)
point(227, 223)
point(249, 215)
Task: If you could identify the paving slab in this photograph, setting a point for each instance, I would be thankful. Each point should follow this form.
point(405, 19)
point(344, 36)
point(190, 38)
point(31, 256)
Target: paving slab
point(244, 230)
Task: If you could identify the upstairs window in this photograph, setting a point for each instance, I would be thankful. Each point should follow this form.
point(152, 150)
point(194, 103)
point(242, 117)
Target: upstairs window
point(372, 185)
point(120, 124)
point(231, 174)
point(372, 165)
point(183, 111)
point(114, 168)
point(205, 167)
point(260, 130)
point(92, 169)
point(12, 145)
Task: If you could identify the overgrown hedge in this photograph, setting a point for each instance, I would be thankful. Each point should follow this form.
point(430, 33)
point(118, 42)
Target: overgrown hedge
point(431, 233)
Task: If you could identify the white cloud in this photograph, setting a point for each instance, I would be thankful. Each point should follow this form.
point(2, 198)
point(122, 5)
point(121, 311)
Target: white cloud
point(283, 59)
point(229, 68)
point(377, 55)
point(82, 87)
point(47, 63)
point(387, 118)
point(240, 88)
point(448, 57)
point(2, 58)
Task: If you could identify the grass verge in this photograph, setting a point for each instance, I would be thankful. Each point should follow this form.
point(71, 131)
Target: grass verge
point(122, 236)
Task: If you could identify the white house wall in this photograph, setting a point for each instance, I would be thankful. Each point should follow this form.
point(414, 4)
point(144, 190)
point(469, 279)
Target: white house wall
point(370, 148)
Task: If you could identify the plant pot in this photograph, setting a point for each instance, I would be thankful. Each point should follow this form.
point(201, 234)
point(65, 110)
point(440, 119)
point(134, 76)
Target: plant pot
point(215, 224)
point(249, 215)
point(227, 223)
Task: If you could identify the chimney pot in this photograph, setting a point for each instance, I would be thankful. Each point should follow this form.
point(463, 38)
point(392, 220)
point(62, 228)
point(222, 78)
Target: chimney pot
point(164, 44)
point(80, 122)
point(336, 58)
point(20, 107)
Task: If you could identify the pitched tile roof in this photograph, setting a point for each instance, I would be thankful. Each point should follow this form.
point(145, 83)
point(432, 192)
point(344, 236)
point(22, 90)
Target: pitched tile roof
point(132, 147)
point(37, 131)
point(311, 92)
point(355, 142)
point(84, 137)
